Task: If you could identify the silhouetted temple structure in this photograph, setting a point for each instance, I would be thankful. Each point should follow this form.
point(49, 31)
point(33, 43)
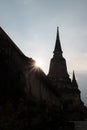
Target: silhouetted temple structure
point(58, 75)
point(19, 78)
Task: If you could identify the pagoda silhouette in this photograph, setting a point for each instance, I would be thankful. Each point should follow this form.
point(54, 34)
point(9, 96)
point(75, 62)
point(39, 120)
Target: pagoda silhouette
point(58, 75)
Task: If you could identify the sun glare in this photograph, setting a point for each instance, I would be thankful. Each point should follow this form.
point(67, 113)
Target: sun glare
point(38, 63)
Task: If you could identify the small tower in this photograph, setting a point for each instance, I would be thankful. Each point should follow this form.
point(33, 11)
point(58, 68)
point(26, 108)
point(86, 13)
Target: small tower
point(58, 69)
point(74, 82)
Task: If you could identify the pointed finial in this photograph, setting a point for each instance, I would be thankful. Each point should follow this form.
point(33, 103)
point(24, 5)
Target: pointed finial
point(57, 28)
point(57, 44)
point(74, 82)
point(57, 32)
point(74, 75)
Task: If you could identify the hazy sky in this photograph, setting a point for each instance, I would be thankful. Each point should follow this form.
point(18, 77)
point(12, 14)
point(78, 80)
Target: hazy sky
point(32, 24)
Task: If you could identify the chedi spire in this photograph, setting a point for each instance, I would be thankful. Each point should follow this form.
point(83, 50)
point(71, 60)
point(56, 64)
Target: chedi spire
point(57, 44)
point(58, 67)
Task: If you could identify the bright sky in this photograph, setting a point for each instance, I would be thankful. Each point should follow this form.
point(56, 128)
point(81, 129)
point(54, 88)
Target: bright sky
point(32, 25)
